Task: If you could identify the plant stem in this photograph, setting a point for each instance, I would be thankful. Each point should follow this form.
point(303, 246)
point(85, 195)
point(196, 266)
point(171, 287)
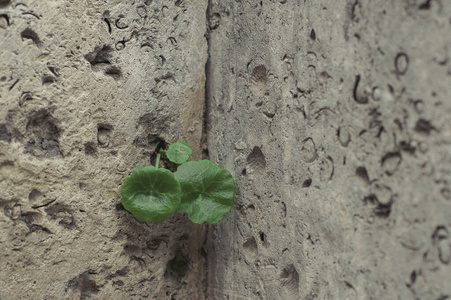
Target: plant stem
point(158, 161)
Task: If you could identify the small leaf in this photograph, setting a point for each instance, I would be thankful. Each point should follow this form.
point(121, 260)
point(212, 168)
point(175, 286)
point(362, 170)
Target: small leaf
point(207, 191)
point(151, 194)
point(179, 152)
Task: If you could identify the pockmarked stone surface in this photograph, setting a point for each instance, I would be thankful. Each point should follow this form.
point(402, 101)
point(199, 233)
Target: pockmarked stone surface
point(332, 116)
point(88, 91)
point(334, 119)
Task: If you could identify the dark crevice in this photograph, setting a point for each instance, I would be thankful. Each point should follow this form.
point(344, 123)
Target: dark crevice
point(4, 3)
point(425, 5)
point(205, 126)
point(307, 183)
point(99, 55)
point(114, 72)
point(204, 138)
point(204, 254)
point(44, 204)
point(5, 17)
point(31, 35)
point(14, 84)
point(108, 24)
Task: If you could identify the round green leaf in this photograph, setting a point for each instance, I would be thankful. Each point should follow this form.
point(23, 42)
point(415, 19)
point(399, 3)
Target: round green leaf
point(207, 191)
point(179, 152)
point(151, 194)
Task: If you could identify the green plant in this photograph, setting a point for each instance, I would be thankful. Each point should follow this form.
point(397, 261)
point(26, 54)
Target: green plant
point(200, 189)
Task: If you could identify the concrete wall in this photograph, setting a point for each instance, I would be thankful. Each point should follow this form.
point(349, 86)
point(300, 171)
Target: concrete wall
point(333, 117)
point(88, 89)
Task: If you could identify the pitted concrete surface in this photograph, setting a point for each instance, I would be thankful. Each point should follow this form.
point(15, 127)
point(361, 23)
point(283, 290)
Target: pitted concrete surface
point(88, 90)
point(332, 116)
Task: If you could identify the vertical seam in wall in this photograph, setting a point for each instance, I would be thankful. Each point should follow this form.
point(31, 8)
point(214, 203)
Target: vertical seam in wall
point(205, 128)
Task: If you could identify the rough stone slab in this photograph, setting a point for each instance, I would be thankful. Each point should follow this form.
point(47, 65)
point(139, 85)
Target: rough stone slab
point(88, 91)
point(334, 119)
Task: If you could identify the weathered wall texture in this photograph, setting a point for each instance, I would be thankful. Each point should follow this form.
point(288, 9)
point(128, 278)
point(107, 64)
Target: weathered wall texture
point(334, 118)
point(88, 89)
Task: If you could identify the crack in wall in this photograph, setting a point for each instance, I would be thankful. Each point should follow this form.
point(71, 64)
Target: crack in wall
point(205, 120)
point(205, 128)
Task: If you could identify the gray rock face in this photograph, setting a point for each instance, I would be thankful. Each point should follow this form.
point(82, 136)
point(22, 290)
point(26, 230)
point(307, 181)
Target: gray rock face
point(334, 119)
point(88, 91)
